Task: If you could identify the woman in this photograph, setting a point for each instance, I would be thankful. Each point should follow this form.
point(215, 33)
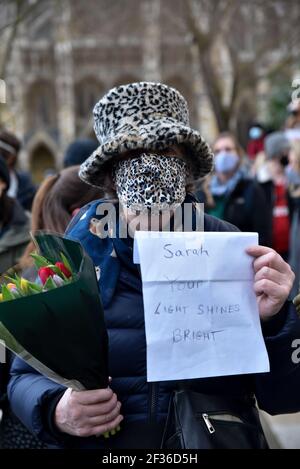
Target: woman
point(293, 177)
point(256, 136)
point(14, 224)
point(235, 197)
point(21, 186)
point(277, 148)
point(14, 235)
point(148, 156)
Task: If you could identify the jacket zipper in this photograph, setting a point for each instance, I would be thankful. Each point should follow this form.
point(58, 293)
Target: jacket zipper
point(153, 394)
point(208, 423)
point(153, 402)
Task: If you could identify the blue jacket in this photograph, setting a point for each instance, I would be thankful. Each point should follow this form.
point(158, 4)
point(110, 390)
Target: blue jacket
point(33, 397)
point(26, 189)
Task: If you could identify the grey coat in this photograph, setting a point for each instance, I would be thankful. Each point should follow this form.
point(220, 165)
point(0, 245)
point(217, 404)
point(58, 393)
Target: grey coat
point(14, 239)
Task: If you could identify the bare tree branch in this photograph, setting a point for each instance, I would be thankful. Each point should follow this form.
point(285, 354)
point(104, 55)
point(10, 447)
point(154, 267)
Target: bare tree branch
point(250, 32)
point(21, 14)
point(202, 39)
point(10, 40)
point(222, 11)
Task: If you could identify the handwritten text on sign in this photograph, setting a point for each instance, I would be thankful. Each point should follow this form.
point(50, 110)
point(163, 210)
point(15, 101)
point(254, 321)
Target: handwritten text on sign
point(201, 313)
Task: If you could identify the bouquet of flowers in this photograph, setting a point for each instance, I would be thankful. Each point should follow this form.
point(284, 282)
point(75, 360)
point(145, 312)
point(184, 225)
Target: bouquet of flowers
point(57, 324)
point(50, 276)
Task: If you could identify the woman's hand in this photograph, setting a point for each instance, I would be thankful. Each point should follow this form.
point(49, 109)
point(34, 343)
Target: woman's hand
point(87, 413)
point(273, 280)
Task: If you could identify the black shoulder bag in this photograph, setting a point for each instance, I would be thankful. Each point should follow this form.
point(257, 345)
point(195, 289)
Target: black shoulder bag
point(201, 421)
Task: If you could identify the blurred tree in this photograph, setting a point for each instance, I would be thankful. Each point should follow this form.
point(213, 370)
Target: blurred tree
point(16, 11)
point(279, 98)
point(12, 16)
point(238, 43)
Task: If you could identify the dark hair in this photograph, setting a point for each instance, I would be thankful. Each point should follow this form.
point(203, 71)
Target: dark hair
point(6, 209)
point(78, 151)
point(10, 139)
point(233, 138)
point(56, 199)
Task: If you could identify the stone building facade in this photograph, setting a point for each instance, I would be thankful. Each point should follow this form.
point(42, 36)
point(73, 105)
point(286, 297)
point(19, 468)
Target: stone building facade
point(70, 52)
point(73, 51)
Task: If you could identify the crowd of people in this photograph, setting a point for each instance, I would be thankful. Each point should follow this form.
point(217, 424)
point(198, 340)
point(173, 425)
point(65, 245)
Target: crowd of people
point(259, 193)
point(255, 189)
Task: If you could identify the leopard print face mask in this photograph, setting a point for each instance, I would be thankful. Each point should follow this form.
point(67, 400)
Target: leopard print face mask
point(151, 181)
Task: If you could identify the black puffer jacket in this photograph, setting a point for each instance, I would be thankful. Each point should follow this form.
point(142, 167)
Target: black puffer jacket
point(247, 208)
point(33, 397)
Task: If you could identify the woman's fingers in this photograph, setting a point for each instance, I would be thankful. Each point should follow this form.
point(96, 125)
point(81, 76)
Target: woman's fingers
point(265, 256)
point(274, 291)
point(105, 418)
point(104, 408)
point(92, 397)
point(100, 429)
point(270, 274)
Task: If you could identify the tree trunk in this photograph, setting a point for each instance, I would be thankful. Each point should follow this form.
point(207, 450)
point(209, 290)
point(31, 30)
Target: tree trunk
point(212, 88)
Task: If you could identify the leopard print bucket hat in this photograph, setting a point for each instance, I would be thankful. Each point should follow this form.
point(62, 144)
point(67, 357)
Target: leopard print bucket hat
point(149, 116)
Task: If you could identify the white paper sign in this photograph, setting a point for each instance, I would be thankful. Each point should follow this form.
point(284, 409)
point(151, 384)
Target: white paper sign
point(201, 313)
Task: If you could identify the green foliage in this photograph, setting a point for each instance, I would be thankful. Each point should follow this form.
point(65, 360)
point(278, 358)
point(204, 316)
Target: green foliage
point(278, 99)
point(66, 262)
point(7, 294)
point(39, 261)
point(49, 285)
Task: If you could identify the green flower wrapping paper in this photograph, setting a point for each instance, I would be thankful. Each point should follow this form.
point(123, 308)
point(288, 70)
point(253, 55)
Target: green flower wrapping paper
point(61, 332)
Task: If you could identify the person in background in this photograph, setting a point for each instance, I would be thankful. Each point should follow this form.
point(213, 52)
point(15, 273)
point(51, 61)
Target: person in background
point(78, 151)
point(283, 426)
point(256, 137)
point(293, 178)
point(259, 170)
point(293, 119)
point(14, 224)
point(235, 197)
point(277, 148)
point(21, 186)
point(14, 236)
point(293, 168)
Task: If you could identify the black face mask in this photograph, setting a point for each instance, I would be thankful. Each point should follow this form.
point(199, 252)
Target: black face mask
point(284, 160)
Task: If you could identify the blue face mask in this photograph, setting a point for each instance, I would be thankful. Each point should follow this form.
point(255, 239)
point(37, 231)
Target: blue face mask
point(255, 133)
point(226, 162)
